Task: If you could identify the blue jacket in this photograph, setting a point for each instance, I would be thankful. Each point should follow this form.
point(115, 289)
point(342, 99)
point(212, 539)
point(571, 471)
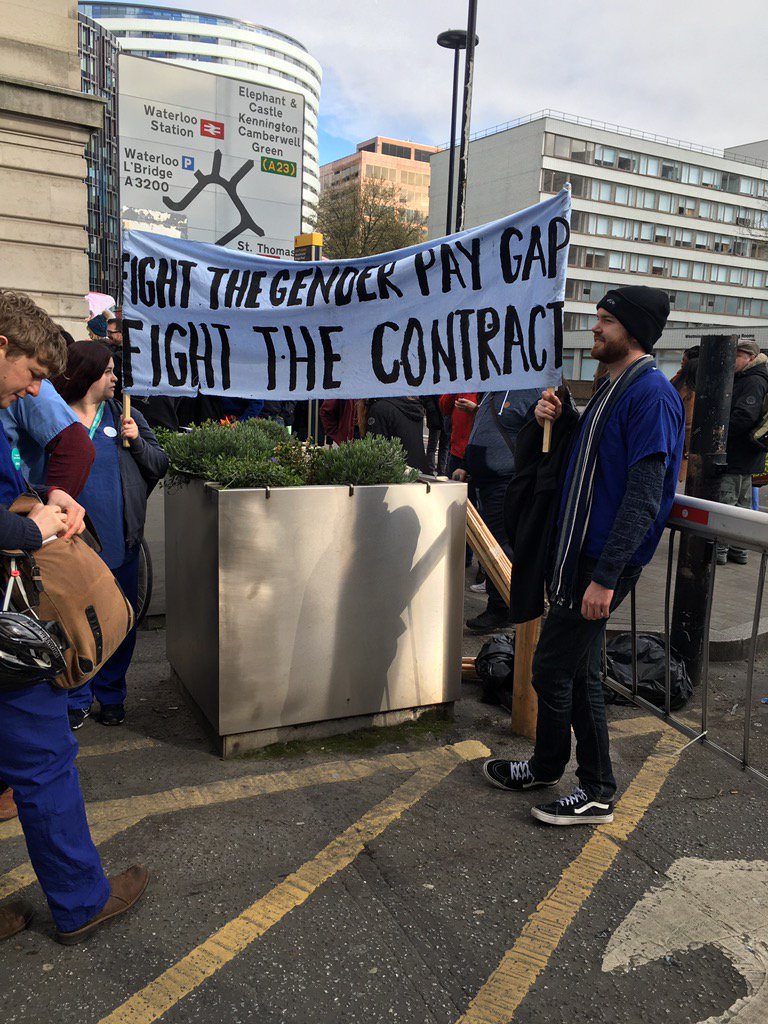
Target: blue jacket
point(488, 455)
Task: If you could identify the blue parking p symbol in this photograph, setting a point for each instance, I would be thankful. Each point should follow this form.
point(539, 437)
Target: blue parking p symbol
point(187, 163)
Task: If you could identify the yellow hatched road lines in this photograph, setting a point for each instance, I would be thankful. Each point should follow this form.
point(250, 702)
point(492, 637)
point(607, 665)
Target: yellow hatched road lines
point(498, 1000)
point(160, 995)
point(111, 817)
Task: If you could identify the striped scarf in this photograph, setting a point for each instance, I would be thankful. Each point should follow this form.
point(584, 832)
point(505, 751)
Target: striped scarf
point(578, 501)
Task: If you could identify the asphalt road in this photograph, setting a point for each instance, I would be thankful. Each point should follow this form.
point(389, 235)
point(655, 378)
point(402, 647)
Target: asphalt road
point(277, 895)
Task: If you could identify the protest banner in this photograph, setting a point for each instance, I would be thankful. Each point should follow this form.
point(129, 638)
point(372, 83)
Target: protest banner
point(476, 311)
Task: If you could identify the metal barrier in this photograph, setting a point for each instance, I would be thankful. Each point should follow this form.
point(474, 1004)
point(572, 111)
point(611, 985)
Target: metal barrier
point(714, 522)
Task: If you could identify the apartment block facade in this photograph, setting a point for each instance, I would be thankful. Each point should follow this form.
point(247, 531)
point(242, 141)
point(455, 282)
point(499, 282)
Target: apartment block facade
point(404, 164)
point(646, 210)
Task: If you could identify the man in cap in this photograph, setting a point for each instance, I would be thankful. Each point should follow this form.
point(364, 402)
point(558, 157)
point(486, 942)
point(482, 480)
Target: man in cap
point(743, 456)
point(616, 495)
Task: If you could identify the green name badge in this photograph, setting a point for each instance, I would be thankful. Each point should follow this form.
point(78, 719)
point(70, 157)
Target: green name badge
point(16, 458)
point(285, 167)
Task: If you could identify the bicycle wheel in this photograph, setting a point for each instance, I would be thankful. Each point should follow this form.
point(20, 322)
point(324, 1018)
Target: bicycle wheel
point(145, 582)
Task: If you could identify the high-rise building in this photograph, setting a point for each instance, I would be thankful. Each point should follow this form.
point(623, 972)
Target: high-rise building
point(98, 77)
point(404, 164)
point(646, 210)
point(229, 47)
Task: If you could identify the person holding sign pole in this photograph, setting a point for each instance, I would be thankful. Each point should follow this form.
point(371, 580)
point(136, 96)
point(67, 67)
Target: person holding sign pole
point(616, 495)
point(489, 462)
point(129, 462)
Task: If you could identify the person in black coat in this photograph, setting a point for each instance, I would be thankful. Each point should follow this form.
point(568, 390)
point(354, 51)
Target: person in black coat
point(402, 418)
point(743, 456)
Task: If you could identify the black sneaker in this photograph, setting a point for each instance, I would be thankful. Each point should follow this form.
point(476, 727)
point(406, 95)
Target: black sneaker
point(77, 716)
point(111, 714)
point(488, 621)
point(513, 775)
point(576, 809)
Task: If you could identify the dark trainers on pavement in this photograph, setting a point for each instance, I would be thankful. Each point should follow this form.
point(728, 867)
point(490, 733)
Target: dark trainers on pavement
point(513, 775)
point(111, 714)
point(77, 716)
point(488, 621)
point(576, 809)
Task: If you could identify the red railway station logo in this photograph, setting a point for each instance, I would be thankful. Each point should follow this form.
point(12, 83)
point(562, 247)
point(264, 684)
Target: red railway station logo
point(213, 129)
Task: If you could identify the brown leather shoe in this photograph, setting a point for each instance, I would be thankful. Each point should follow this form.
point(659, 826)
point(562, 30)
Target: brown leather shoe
point(125, 890)
point(14, 917)
point(7, 805)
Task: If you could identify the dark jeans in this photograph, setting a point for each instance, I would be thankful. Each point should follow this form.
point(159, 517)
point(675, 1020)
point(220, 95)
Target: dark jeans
point(567, 680)
point(491, 493)
point(438, 444)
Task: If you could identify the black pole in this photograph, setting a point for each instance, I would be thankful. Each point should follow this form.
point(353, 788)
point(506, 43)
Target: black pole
point(466, 115)
point(452, 154)
point(709, 436)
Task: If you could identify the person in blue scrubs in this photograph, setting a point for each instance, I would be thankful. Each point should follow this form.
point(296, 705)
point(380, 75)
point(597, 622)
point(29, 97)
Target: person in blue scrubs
point(115, 498)
point(37, 749)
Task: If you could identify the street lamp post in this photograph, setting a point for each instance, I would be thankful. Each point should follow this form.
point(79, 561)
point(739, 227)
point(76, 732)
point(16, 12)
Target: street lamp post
point(466, 113)
point(454, 39)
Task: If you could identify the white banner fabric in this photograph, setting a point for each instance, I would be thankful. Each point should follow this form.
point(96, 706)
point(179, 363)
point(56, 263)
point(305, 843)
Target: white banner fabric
point(477, 311)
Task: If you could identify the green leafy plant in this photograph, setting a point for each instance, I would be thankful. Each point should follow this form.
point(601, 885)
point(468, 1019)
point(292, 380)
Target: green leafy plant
point(371, 460)
point(261, 453)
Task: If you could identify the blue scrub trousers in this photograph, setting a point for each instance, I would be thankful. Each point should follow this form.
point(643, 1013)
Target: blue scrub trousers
point(108, 686)
point(37, 758)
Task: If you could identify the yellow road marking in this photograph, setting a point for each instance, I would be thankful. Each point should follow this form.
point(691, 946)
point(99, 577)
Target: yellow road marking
point(121, 747)
point(160, 995)
point(110, 817)
point(498, 1000)
point(127, 811)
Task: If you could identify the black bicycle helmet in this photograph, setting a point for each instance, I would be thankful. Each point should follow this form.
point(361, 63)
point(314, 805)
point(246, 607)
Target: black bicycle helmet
point(30, 650)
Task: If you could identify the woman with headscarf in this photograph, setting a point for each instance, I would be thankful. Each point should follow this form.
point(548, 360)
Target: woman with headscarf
point(115, 498)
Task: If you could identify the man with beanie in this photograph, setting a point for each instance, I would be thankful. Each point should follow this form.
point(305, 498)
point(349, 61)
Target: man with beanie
point(615, 498)
point(743, 457)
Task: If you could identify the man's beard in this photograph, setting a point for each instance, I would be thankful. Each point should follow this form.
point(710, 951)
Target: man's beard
point(610, 351)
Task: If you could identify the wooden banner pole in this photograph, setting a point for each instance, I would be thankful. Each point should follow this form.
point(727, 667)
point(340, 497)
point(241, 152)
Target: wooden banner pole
point(499, 569)
point(126, 415)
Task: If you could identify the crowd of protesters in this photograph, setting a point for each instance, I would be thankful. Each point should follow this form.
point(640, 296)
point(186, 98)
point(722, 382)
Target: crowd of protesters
point(585, 518)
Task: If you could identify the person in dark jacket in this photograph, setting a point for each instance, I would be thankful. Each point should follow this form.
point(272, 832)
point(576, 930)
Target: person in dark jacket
point(115, 498)
point(37, 749)
point(489, 460)
point(743, 457)
point(402, 418)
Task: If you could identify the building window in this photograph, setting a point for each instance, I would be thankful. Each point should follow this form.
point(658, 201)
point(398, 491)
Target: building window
point(422, 154)
point(403, 152)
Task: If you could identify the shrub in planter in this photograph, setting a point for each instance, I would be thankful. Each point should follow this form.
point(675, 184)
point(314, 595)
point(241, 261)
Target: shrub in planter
point(261, 453)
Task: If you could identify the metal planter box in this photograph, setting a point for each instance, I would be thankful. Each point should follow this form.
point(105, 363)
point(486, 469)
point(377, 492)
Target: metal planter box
point(313, 610)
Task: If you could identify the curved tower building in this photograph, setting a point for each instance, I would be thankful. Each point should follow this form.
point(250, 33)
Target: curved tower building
point(229, 47)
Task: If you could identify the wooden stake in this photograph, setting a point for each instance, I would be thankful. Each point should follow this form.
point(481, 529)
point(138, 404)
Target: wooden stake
point(489, 552)
point(126, 415)
point(499, 568)
point(546, 443)
point(524, 700)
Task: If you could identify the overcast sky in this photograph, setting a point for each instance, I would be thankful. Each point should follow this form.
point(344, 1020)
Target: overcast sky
point(691, 71)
